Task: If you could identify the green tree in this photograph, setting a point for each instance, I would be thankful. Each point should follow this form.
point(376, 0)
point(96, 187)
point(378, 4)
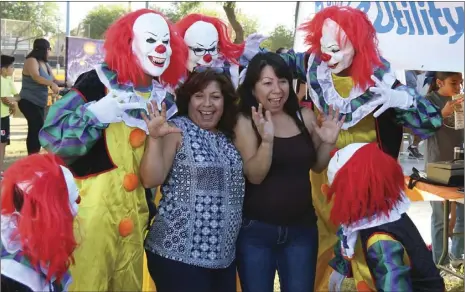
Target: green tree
point(281, 37)
point(37, 19)
point(101, 17)
point(249, 25)
point(178, 10)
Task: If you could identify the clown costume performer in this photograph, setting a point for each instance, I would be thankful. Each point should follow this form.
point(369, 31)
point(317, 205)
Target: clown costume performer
point(378, 242)
point(98, 130)
point(343, 68)
point(39, 202)
point(209, 44)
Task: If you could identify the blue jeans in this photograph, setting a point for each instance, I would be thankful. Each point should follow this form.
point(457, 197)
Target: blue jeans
point(264, 248)
point(173, 276)
point(437, 229)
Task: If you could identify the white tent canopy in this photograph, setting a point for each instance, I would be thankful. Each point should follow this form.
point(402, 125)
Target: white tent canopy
point(412, 35)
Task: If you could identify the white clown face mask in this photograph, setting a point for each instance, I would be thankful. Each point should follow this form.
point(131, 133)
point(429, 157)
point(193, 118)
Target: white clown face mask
point(151, 43)
point(202, 40)
point(337, 55)
point(340, 158)
point(73, 191)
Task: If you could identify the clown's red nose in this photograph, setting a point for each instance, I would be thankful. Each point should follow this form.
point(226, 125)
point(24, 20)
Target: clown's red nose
point(160, 49)
point(325, 57)
point(207, 58)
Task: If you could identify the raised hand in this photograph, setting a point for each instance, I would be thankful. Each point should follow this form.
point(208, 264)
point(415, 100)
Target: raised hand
point(264, 124)
point(110, 109)
point(330, 126)
point(156, 121)
point(389, 98)
point(449, 108)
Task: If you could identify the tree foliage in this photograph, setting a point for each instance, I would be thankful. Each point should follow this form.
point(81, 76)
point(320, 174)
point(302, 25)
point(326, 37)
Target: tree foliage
point(101, 17)
point(281, 37)
point(36, 19)
point(178, 10)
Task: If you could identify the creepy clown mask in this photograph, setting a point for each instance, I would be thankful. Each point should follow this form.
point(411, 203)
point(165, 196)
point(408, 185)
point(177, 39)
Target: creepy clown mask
point(336, 48)
point(340, 158)
point(72, 188)
point(151, 43)
point(73, 191)
point(202, 40)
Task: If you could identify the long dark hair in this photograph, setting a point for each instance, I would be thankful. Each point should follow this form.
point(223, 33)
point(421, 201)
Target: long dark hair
point(439, 76)
point(198, 81)
point(40, 49)
point(252, 76)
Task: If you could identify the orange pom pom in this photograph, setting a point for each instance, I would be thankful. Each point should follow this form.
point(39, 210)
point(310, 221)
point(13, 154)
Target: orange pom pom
point(130, 182)
point(362, 286)
point(324, 189)
point(137, 138)
point(126, 226)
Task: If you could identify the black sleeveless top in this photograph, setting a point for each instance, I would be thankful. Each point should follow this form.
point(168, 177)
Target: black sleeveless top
point(284, 197)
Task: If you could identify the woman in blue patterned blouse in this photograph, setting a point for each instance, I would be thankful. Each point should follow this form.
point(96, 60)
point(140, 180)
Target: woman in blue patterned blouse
point(193, 159)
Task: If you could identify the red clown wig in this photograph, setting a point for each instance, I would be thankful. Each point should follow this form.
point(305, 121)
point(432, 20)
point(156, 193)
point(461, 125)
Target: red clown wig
point(35, 187)
point(231, 51)
point(359, 31)
point(368, 184)
point(120, 58)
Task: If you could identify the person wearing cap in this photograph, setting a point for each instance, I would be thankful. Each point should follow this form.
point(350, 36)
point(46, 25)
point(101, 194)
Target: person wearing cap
point(37, 78)
point(7, 104)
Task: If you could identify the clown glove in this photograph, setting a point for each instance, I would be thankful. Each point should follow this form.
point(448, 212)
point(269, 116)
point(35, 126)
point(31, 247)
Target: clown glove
point(389, 98)
point(252, 45)
point(335, 281)
point(110, 109)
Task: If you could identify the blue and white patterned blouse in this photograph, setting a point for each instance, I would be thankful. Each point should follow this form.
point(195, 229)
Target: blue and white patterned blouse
point(200, 212)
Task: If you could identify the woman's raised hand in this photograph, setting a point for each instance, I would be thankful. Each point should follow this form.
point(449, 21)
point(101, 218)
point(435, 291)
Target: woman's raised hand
point(264, 124)
point(331, 124)
point(156, 121)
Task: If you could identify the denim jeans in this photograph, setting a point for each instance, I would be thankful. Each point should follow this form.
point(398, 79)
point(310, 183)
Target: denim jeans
point(173, 276)
point(264, 248)
point(437, 229)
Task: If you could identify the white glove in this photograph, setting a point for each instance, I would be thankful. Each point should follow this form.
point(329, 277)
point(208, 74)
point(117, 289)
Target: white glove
point(252, 45)
point(335, 281)
point(110, 108)
point(389, 98)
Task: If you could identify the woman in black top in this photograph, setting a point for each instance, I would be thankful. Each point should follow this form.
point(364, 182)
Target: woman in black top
point(279, 144)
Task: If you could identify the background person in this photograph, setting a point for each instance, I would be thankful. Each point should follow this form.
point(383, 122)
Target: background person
point(440, 147)
point(37, 78)
point(7, 105)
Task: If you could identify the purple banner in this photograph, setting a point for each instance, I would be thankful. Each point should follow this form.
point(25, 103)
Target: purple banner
point(82, 55)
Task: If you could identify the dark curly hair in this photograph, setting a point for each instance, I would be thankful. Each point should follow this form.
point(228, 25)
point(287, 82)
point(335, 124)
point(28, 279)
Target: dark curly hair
point(199, 81)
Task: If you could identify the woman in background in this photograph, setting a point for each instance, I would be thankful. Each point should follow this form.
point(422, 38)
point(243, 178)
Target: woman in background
point(37, 78)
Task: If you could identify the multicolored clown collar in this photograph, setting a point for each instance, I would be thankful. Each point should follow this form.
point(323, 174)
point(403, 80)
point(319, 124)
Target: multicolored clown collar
point(358, 105)
point(156, 91)
point(17, 267)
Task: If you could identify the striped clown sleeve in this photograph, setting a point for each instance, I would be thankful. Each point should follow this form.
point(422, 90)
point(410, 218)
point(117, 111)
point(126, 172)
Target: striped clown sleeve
point(389, 269)
point(70, 130)
point(424, 119)
point(297, 63)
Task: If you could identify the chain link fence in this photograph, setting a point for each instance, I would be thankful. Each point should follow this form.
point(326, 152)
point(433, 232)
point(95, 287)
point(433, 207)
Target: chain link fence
point(16, 37)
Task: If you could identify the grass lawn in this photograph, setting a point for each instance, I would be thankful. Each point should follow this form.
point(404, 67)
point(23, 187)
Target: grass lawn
point(17, 149)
